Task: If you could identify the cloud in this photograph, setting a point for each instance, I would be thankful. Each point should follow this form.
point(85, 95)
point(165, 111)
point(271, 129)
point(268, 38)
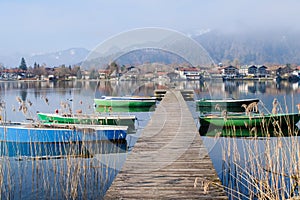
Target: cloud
point(35, 26)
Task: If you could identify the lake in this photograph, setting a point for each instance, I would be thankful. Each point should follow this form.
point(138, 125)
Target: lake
point(87, 170)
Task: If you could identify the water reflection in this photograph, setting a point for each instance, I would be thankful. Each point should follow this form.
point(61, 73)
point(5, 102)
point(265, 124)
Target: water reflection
point(288, 95)
point(88, 177)
point(63, 170)
point(126, 88)
point(254, 168)
point(34, 150)
point(147, 87)
point(124, 109)
point(59, 170)
point(253, 132)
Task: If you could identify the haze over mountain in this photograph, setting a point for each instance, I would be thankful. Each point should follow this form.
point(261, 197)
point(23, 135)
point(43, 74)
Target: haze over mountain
point(278, 47)
point(67, 57)
point(48, 26)
point(275, 47)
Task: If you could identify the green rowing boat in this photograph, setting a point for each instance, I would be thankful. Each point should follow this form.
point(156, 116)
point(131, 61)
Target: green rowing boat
point(132, 101)
point(243, 132)
point(87, 119)
point(118, 109)
point(253, 120)
point(231, 105)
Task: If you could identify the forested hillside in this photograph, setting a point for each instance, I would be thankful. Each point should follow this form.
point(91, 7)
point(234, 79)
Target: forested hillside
point(252, 48)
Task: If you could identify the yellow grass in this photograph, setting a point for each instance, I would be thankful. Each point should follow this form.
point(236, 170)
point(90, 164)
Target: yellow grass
point(268, 167)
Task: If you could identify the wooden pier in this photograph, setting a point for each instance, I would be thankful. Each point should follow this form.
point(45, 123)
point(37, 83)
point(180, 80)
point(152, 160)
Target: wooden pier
point(169, 160)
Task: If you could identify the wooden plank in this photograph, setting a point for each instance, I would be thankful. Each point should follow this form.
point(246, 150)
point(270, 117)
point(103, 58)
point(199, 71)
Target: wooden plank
point(169, 160)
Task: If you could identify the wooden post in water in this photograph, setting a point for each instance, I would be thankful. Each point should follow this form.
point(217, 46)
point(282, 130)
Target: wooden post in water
point(169, 160)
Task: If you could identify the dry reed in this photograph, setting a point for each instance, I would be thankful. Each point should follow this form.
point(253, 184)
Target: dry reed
point(263, 167)
point(59, 171)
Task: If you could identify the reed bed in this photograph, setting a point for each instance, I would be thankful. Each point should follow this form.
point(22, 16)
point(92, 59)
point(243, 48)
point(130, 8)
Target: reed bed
point(63, 172)
point(262, 167)
point(57, 170)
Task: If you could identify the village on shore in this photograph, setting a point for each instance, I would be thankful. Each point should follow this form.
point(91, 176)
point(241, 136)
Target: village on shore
point(152, 71)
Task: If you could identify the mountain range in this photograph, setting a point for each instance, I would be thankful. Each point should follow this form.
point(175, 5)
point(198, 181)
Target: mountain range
point(273, 47)
point(67, 57)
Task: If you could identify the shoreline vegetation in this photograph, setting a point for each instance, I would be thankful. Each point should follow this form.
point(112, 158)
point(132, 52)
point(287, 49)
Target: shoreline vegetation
point(114, 79)
point(261, 167)
point(152, 71)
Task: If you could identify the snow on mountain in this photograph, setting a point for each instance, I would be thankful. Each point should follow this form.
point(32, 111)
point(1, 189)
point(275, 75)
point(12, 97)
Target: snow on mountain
point(67, 57)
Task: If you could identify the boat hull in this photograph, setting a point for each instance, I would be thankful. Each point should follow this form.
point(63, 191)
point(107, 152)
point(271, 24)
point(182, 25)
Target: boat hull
point(213, 131)
point(125, 102)
point(88, 119)
point(105, 109)
point(231, 105)
point(256, 120)
point(22, 134)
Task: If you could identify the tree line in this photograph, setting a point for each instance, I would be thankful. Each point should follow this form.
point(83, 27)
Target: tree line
point(60, 72)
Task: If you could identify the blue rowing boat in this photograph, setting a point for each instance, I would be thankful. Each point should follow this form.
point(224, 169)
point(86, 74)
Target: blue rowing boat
point(50, 133)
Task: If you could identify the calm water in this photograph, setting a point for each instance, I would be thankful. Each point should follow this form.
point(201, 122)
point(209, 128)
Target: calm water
point(70, 171)
point(91, 168)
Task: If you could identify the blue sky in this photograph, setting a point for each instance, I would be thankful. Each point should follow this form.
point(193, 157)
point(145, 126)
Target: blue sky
point(32, 26)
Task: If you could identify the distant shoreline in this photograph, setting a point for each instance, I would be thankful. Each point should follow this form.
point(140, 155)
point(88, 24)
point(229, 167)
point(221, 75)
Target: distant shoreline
point(95, 80)
point(29, 80)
